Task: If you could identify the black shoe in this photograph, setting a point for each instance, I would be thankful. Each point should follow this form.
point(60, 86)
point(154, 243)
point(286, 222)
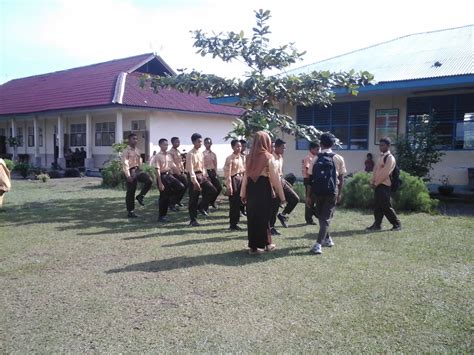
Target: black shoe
point(213, 205)
point(396, 228)
point(274, 231)
point(173, 209)
point(243, 213)
point(311, 223)
point(162, 219)
point(204, 213)
point(180, 204)
point(140, 199)
point(132, 214)
point(235, 228)
point(282, 220)
point(194, 224)
point(374, 227)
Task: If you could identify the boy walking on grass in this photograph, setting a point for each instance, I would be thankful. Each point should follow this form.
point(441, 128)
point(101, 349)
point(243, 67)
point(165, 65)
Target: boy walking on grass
point(326, 181)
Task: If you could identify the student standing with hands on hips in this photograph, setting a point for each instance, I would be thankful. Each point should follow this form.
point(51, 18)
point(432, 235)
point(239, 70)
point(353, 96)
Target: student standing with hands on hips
point(260, 183)
point(234, 169)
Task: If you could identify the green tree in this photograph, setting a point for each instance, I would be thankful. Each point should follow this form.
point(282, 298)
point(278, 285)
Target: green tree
point(259, 93)
point(418, 150)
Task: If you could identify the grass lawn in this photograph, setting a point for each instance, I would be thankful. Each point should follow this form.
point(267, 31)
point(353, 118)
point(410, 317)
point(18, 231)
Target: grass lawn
point(76, 276)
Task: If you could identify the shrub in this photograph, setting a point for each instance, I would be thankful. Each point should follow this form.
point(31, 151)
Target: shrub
point(23, 168)
point(113, 176)
point(54, 174)
point(43, 177)
point(413, 194)
point(72, 172)
point(10, 164)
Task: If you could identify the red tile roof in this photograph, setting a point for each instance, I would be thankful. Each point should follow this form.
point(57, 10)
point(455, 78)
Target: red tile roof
point(95, 85)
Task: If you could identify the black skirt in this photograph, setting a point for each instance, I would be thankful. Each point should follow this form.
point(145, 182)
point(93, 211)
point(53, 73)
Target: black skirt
point(259, 203)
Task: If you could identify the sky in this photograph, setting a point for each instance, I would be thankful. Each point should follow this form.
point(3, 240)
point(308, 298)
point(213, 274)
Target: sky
point(41, 36)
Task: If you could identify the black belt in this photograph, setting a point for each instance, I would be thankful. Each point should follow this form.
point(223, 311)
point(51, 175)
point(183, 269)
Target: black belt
point(238, 174)
point(198, 172)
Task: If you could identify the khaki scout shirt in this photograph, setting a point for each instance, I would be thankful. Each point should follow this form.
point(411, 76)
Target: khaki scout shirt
point(234, 164)
point(194, 162)
point(338, 162)
point(306, 163)
point(272, 172)
point(382, 171)
point(210, 160)
point(178, 162)
point(278, 163)
point(130, 159)
point(163, 163)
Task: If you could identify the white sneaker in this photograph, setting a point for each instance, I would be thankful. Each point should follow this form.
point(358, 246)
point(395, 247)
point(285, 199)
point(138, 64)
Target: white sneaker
point(327, 242)
point(316, 249)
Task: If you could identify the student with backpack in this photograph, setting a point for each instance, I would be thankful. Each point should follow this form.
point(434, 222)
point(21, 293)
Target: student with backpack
point(385, 180)
point(326, 180)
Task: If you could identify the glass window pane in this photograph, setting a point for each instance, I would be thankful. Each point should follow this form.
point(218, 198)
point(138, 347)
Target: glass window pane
point(322, 115)
point(112, 126)
point(360, 112)
point(98, 127)
point(340, 114)
point(444, 133)
point(343, 134)
point(359, 137)
point(304, 115)
point(442, 108)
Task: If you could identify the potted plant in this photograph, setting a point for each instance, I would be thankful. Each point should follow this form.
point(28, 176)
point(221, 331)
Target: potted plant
point(445, 188)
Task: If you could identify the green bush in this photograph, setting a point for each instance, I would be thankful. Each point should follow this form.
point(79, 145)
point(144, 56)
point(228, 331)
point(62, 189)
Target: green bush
point(55, 174)
point(413, 195)
point(10, 164)
point(113, 176)
point(23, 168)
point(43, 177)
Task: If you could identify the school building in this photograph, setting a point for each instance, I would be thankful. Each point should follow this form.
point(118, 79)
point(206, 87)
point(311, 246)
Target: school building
point(421, 74)
point(98, 105)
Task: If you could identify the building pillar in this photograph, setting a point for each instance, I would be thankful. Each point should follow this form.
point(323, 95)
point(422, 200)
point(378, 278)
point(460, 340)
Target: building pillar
point(119, 127)
point(36, 139)
point(89, 162)
point(60, 138)
point(13, 134)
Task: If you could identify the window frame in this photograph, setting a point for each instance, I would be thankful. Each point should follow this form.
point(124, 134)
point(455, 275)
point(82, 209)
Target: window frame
point(75, 134)
point(303, 144)
point(110, 131)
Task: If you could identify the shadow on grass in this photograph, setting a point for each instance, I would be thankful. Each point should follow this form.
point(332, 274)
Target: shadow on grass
point(233, 258)
point(340, 234)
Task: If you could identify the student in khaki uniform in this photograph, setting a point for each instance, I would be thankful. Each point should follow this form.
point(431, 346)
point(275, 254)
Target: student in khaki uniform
point(234, 169)
point(381, 184)
point(326, 181)
point(5, 180)
point(309, 211)
point(131, 162)
point(181, 176)
point(198, 182)
point(168, 185)
point(290, 195)
point(243, 152)
point(210, 164)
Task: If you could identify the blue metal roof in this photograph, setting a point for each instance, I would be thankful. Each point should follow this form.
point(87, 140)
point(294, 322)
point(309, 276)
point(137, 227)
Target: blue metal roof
point(435, 54)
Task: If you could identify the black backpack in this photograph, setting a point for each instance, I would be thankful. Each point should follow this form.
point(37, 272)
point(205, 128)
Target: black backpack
point(324, 181)
point(395, 180)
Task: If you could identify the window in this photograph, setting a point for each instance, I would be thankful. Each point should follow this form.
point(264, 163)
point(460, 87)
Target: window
point(19, 135)
point(348, 121)
point(31, 136)
point(2, 132)
point(78, 135)
point(453, 115)
point(40, 136)
point(138, 125)
point(104, 133)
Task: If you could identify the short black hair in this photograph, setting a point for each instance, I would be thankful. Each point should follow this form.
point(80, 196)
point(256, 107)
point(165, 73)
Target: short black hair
point(279, 142)
point(243, 141)
point(370, 155)
point(313, 145)
point(162, 140)
point(327, 139)
point(131, 135)
point(174, 139)
point(233, 142)
point(195, 137)
point(207, 139)
point(385, 140)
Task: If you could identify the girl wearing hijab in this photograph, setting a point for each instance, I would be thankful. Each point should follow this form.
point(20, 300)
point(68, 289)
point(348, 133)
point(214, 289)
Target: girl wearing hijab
point(260, 184)
point(5, 183)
